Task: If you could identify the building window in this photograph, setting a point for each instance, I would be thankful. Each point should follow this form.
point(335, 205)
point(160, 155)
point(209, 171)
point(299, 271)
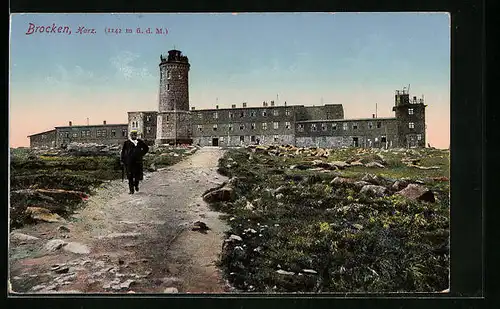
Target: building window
point(264, 113)
point(242, 126)
point(370, 125)
point(231, 114)
point(276, 112)
point(287, 112)
point(252, 126)
point(345, 126)
point(252, 138)
point(84, 133)
point(334, 126)
point(419, 137)
point(113, 133)
point(179, 76)
point(67, 134)
point(75, 134)
point(355, 126)
point(411, 125)
point(215, 127)
point(242, 114)
point(300, 128)
point(169, 74)
point(313, 127)
point(242, 138)
point(200, 115)
point(287, 125)
point(379, 124)
point(148, 118)
point(148, 130)
point(200, 127)
point(216, 115)
point(230, 127)
point(410, 111)
point(124, 132)
point(168, 86)
point(101, 133)
point(252, 113)
point(276, 125)
point(264, 126)
point(275, 138)
point(324, 127)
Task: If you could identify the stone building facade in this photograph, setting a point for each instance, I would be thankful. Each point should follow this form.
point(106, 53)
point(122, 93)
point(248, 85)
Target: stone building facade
point(299, 125)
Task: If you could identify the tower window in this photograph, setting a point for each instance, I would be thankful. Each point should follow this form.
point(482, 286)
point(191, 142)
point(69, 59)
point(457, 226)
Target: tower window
point(124, 132)
point(345, 126)
point(411, 125)
point(200, 115)
point(242, 114)
point(355, 126)
point(231, 115)
point(287, 112)
point(264, 113)
point(148, 118)
point(313, 127)
point(275, 125)
point(276, 112)
point(324, 127)
point(200, 127)
point(419, 137)
point(230, 127)
point(215, 127)
point(300, 128)
point(410, 111)
point(253, 126)
point(370, 125)
point(168, 86)
point(169, 75)
point(148, 130)
point(264, 126)
point(242, 138)
point(275, 137)
point(379, 124)
point(242, 126)
point(252, 113)
point(216, 115)
point(287, 125)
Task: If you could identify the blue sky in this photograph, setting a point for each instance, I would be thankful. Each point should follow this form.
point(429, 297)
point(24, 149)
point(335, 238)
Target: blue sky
point(355, 59)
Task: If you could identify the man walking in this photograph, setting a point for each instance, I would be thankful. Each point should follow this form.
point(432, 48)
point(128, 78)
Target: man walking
point(132, 152)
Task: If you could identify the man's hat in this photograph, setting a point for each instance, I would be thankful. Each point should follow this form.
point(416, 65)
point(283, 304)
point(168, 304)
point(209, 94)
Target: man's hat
point(133, 131)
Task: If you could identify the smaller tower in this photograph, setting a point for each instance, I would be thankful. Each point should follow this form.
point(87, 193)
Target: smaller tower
point(410, 115)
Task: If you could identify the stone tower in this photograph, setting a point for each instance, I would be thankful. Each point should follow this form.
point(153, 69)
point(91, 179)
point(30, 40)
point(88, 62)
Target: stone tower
point(410, 115)
point(173, 122)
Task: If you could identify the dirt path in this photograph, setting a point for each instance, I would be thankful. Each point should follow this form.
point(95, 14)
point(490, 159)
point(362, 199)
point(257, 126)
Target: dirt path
point(122, 243)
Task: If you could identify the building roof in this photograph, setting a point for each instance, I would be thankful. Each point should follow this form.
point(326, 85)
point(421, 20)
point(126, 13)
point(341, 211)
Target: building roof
point(143, 112)
point(92, 125)
point(345, 120)
point(241, 107)
point(45, 132)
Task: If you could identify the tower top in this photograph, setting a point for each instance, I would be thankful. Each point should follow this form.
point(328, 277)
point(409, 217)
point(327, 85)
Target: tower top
point(174, 55)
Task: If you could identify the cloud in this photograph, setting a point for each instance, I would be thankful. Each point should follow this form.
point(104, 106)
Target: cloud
point(63, 76)
point(124, 64)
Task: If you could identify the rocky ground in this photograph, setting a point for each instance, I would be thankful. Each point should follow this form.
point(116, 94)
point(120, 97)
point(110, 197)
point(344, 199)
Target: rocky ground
point(344, 220)
point(163, 239)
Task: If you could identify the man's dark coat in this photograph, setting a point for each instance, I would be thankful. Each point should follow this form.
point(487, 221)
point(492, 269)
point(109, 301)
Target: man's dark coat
point(132, 157)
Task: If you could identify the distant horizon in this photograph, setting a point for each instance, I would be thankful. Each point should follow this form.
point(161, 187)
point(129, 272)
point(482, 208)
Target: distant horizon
point(354, 59)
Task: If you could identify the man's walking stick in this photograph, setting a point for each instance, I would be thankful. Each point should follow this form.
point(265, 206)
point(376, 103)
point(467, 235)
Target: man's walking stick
point(123, 171)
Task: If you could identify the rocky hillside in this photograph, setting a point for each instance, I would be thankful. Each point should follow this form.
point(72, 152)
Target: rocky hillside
point(346, 220)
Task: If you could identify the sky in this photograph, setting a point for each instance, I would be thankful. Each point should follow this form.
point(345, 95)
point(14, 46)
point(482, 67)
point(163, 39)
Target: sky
point(354, 59)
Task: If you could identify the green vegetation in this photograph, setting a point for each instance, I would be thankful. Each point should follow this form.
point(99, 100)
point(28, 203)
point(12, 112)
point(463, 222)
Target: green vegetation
point(330, 236)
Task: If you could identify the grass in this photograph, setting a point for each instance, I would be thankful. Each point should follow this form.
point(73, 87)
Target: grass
point(354, 242)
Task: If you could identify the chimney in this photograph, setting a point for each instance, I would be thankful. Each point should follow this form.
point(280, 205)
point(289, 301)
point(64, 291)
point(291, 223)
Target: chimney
point(272, 103)
point(104, 122)
point(216, 106)
point(373, 115)
point(285, 103)
point(70, 123)
point(244, 104)
point(233, 106)
point(192, 108)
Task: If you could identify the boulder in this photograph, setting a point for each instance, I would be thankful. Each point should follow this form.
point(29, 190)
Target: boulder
point(356, 163)
point(20, 236)
point(417, 192)
point(340, 164)
point(77, 248)
point(399, 185)
point(361, 184)
point(374, 189)
point(43, 214)
point(223, 194)
point(54, 245)
point(374, 164)
point(340, 180)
